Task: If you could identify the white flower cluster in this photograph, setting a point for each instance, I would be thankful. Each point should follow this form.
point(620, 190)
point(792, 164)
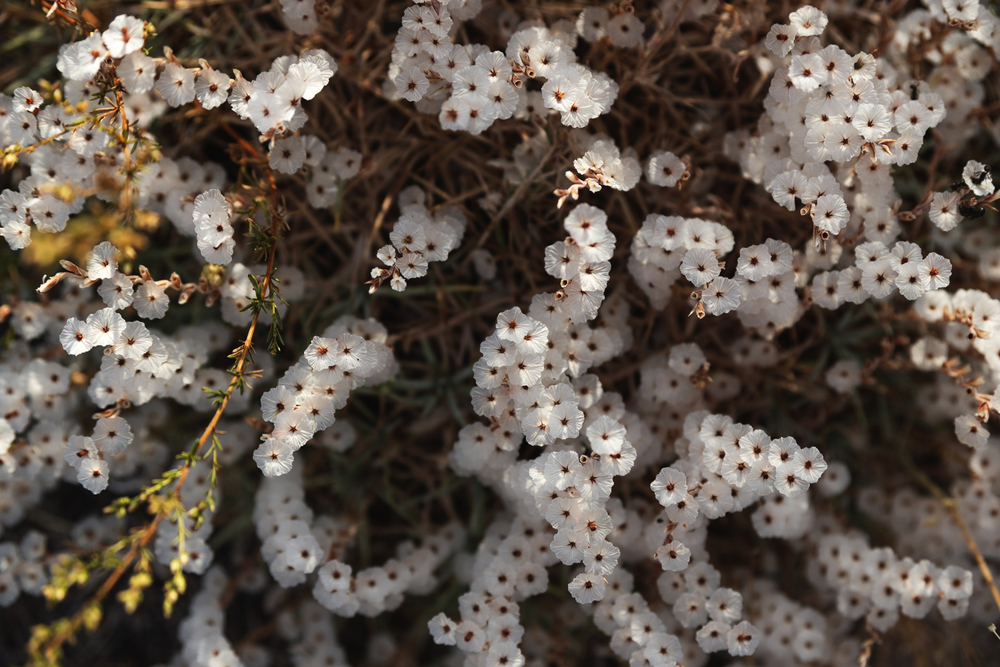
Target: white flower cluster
point(572, 492)
point(272, 101)
point(641, 635)
point(39, 406)
point(926, 535)
point(81, 61)
point(509, 566)
point(294, 543)
point(382, 588)
point(973, 18)
point(300, 15)
point(170, 187)
point(470, 87)
point(972, 321)
point(324, 170)
point(521, 378)
point(313, 636)
point(87, 455)
point(824, 106)
point(790, 631)
point(878, 585)
point(624, 29)
point(76, 154)
point(27, 390)
point(203, 642)
point(23, 567)
point(602, 165)
point(667, 247)
point(196, 555)
point(418, 238)
point(522, 386)
point(742, 464)
point(76, 159)
point(879, 271)
point(947, 209)
point(211, 217)
point(853, 118)
point(349, 354)
point(139, 364)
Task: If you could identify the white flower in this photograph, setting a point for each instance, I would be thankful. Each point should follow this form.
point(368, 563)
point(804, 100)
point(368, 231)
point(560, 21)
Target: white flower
point(913, 115)
point(836, 63)
point(673, 556)
point(78, 448)
point(137, 72)
point(830, 213)
point(212, 88)
point(123, 36)
point(850, 286)
point(971, 432)
point(780, 39)
point(807, 72)
point(408, 235)
point(787, 186)
point(102, 263)
point(481, 113)
point(601, 557)
point(74, 337)
point(17, 234)
point(872, 121)
point(844, 376)
point(586, 588)
point(49, 214)
point(288, 155)
point(625, 30)
point(412, 84)
point(825, 290)
point(808, 465)
point(808, 21)
point(266, 111)
point(592, 23)
point(26, 99)
point(512, 323)
point(93, 475)
point(312, 74)
point(713, 636)
point(454, 114)
point(412, 265)
point(700, 266)
point(978, 178)
point(150, 301)
point(935, 271)
point(754, 262)
point(606, 435)
point(112, 435)
point(116, 291)
point(670, 486)
point(742, 639)
point(909, 282)
point(81, 60)
point(879, 278)
point(274, 457)
point(134, 341)
point(176, 85)
point(665, 169)
point(104, 327)
point(12, 206)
